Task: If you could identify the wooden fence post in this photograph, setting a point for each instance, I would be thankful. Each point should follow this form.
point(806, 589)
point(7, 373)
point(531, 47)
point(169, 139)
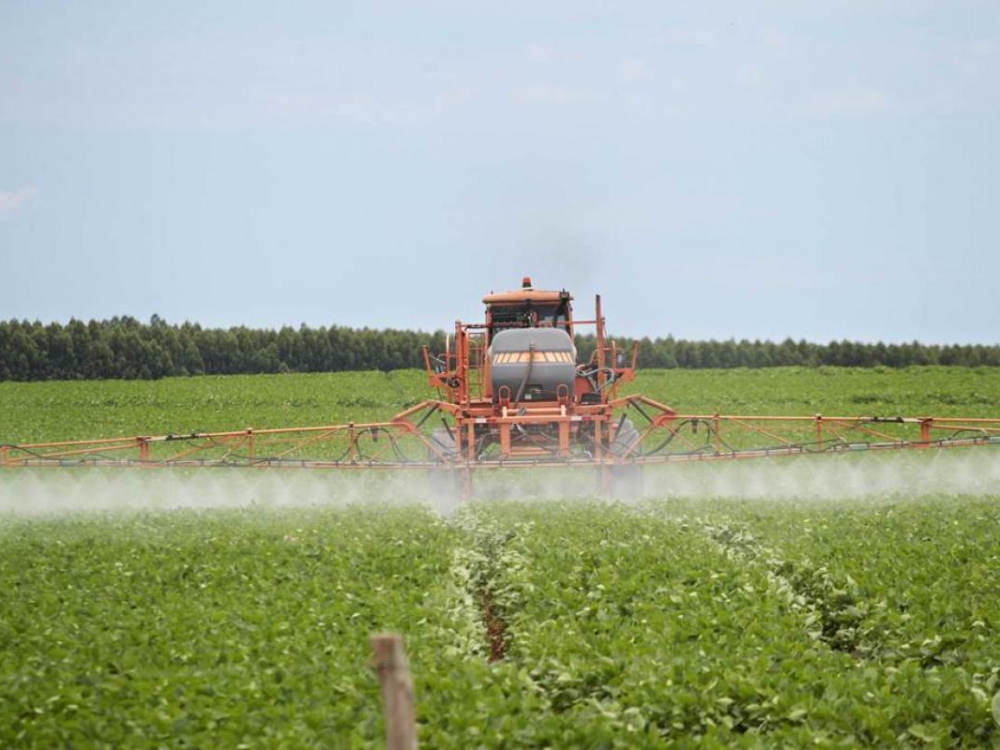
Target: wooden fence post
point(397, 691)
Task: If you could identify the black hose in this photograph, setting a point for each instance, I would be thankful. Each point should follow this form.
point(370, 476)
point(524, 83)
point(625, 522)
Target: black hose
point(527, 373)
point(589, 375)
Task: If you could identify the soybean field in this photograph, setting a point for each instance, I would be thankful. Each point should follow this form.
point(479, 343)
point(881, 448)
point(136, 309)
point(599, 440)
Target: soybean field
point(816, 602)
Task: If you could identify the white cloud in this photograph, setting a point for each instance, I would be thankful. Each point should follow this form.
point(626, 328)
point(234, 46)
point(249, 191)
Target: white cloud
point(847, 103)
point(14, 202)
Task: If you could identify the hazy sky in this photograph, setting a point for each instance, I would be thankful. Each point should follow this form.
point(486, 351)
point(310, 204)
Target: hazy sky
point(821, 170)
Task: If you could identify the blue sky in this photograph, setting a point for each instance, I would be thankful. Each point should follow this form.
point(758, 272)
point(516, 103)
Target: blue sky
point(821, 170)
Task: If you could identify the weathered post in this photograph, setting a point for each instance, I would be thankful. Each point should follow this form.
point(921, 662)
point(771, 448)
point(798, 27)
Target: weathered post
point(397, 691)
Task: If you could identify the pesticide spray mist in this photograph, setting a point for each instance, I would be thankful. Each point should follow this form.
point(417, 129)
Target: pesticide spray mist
point(48, 492)
point(45, 492)
point(848, 477)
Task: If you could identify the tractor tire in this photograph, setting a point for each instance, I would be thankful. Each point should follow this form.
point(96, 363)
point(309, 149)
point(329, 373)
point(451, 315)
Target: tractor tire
point(627, 434)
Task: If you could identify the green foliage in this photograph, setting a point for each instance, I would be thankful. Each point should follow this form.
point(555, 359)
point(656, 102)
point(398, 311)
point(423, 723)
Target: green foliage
point(38, 412)
point(219, 629)
point(124, 348)
point(680, 353)
point(721, 625)
point(845, 391)
point(35, 412)
point(642, 629)
point(688, 623)
point(917, 578)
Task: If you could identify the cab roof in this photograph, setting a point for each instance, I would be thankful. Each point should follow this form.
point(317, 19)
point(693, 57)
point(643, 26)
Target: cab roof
point(523, 295)
point(527, 293)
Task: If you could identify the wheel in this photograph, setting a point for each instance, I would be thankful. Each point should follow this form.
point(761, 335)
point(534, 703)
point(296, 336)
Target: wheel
point(627, 435)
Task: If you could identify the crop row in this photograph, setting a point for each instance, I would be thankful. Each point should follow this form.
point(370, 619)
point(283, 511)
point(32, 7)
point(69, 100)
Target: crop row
point(550, 624)
point(206, 629)
point(652, 628)
point(915, 578)
point(50, 411)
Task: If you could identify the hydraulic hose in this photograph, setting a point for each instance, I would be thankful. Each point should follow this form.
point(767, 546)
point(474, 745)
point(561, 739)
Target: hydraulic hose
point(527, 374)
point(589, 375)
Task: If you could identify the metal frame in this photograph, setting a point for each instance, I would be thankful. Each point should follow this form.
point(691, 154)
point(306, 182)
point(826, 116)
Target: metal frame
point(667, 437)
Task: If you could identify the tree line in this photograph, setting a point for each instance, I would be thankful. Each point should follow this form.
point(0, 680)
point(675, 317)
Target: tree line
point(125, 348)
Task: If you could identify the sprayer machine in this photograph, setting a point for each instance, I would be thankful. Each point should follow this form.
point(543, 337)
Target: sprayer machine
point(513, 392)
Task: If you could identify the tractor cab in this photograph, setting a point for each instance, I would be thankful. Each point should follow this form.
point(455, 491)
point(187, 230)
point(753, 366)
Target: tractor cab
point(528, 308)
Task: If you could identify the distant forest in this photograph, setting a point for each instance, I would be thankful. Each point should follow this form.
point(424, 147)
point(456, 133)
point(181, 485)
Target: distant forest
point(124, 348)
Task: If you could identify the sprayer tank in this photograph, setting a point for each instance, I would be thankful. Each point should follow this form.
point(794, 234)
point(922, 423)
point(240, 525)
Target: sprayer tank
point(532, 363)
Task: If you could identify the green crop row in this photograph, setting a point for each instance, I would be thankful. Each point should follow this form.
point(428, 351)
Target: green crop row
point(206, 629)
point(919, 575)
point(642, 630)
point(49, 411)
